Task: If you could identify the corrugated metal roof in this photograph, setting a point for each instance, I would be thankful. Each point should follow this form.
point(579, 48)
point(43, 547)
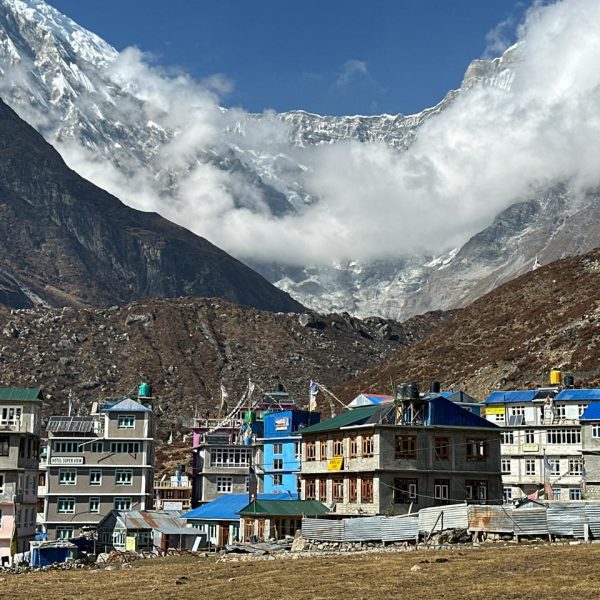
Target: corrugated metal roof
point(370, 399)
point(589, 394)
point(226, 507)
point(357, 416)
point(126, 405)
point(514, 396)
point(292, 508)
point(160, 520)
point(444, 412)
point(21, 394)
point(591, 413)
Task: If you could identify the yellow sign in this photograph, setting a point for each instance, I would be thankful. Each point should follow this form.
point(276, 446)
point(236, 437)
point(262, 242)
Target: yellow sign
point(495, 410)
point(335, 463)
point(130, 543)
point(531, 447)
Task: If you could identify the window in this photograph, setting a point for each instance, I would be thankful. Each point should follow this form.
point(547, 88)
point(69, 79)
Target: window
point(477, 449)
point(554, 466)
point(575, 466)
point(95, 505)
point(518, 409)
point(64, 532)
point(581, 409)
point(500, 418)
point(564, 436)
point(441, 489)
point(323, 490)
point(507, 495)
point(124, 447)
point(67, 477)
point(338, 490)
point(126, 422)
point(405, 446)
point(575, 494)
point(278, 464)
point(353, 489)
point(310, 490)
point(122, 504)
point(10, 415)
point(529, 436)
point(556, 493)
point(96, 447)
point(224, 485)
point(367, 446)
point(405, 491)
point(1, 483)
point(277, 479)
point(277, 448)
point(95, 477)
point(560, 411)
point(66, 505)
point(505, 466)
point(366, 490)
point(476, 490)
point(123, 477)
point(441, 448)
point(338, 447)
point(297, 453)
point(353, 446)
point(595, 433)
point(507, 437)
point(66, 447)
point(310, 449)
point(530, 466)
point(5, 445)
point(323, 454)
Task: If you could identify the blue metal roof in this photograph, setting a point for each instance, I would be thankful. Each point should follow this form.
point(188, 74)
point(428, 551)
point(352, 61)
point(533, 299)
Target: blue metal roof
point(591, 413)
point(578, 395)
point(444, 412)
point(515, 396)
point(227, 506)
point(126, 405)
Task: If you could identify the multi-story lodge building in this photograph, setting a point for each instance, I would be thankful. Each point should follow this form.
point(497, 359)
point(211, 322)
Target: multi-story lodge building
point(98, 463)
point(173, 492)
point(541, 441)
point(396, 457)
point(20, 413)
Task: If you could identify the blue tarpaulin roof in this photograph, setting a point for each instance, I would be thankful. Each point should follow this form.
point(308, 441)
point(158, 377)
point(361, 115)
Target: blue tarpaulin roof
point(578, 395)
point(591, 413)
point(516, 396)
point(226, 507)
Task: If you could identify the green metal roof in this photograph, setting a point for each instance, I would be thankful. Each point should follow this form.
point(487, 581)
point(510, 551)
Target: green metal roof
point(287, 508)
point(21, 394)
point(355, 416)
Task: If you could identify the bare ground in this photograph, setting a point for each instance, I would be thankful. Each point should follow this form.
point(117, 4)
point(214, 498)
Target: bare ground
point(495, 572)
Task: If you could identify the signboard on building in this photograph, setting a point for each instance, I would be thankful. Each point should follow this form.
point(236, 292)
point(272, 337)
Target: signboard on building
point(66, 460)
point(130, 543)
point(282, 424)
point(172, 505)
point(495, 410)
point(531, 447)
point(335, 463)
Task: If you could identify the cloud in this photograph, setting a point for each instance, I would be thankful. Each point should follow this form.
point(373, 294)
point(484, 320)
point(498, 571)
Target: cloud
point(352, 71)
point(237, 179)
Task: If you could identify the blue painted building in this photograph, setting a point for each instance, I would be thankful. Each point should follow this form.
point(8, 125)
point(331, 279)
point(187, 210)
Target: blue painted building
point(279, 466)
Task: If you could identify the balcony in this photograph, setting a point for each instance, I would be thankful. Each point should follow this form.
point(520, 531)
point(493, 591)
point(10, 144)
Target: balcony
point(161, 485)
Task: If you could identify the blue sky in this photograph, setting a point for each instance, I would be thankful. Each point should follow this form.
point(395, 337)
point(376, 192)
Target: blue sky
point(327, 56)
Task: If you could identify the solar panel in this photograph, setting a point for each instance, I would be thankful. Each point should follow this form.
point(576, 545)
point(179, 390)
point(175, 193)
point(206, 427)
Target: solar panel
point(515, 420)
point(70, 424)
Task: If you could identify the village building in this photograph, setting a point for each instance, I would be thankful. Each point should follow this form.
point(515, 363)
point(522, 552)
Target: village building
point(279, 458)
point(20, 414)
point(398, 457)
point(98, 463)
point(219, 520)
point(273, 519)
point(173, 492)
point(590, 447)
point(224, 448)
point(541, 449)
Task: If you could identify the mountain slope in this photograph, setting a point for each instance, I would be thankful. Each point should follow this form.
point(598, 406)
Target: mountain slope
point(64, 241)
point(510, 337)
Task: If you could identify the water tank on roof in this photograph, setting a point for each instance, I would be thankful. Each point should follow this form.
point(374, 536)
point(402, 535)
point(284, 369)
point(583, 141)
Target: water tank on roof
point(435, 387)
point(144, 390)
point(555, 377)
point(409, 391)
point(568, 381)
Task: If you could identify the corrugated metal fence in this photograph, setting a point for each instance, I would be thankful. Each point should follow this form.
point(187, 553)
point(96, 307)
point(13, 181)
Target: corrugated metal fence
point(569, 519)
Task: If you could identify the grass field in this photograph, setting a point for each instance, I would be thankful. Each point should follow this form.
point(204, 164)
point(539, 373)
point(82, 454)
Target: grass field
point(487, 573)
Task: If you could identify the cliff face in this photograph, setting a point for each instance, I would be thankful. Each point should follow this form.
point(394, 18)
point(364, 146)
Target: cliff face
point(65, 242)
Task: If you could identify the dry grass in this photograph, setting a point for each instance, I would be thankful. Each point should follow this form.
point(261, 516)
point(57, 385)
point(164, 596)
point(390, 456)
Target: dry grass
point(498, 572)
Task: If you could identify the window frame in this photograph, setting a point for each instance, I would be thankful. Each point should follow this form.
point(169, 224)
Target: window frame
point(405, 446)
point(126, 422)
point(94, 505)
point(68, 505)
point(477, 449)
point(125, 500)
point(127, 474)
point(367, 490)
point(368, 446)
point(441, 491)
point(95, 472)
point(73, 477)
point(224, 481)
point(337, 489)
point(441, 448)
